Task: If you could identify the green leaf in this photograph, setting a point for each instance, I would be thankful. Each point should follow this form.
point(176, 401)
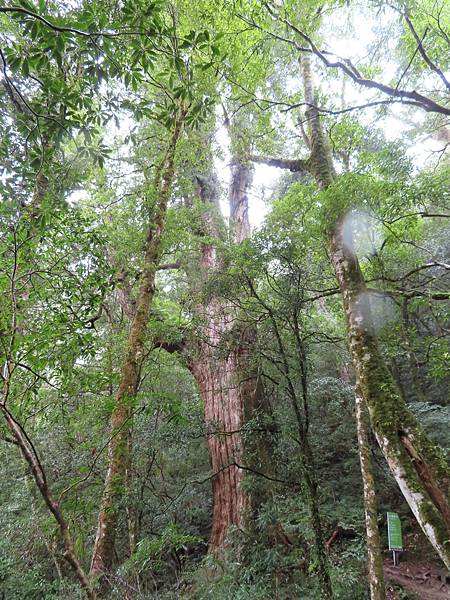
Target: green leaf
point(26, 66)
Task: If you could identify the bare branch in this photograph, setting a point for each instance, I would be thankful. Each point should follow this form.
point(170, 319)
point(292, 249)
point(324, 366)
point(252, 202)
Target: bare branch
point(349, 69)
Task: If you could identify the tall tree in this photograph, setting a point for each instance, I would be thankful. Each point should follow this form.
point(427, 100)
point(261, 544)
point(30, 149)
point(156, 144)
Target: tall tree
point(103, 553)
point(416, 464)
point(222, 361)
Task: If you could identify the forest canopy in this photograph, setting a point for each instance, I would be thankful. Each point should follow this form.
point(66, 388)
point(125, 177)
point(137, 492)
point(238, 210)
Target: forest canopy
point(224, 300)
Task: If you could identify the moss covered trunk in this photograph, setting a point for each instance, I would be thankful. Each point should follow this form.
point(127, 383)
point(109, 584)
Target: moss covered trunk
point(417, 465)
point(118, 461)
point(375, 573)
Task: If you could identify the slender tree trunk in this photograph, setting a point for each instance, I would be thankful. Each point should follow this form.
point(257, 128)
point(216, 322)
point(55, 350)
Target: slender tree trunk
point(309, 473)
point(50, 545)
point(123, 296)
point(131, 506)
point(30, 456)
point(417, 465)
point(20, 437)
point(300, 405)
point(115, 482)
point(374, 559)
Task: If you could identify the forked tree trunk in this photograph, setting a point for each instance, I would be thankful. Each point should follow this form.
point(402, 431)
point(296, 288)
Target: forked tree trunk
point(229, 385)
point(375, 573)
point(214, 367)
point(417, 465)
point(115, 482)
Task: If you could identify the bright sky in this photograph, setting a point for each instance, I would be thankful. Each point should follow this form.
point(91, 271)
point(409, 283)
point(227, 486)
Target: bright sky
point(345, 45)
point(393, 125)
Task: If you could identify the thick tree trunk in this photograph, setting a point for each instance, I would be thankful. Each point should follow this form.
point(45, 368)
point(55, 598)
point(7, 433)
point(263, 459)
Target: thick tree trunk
point(374, 559)
point(225, 419)
point(418, 467)
point(214, 367)
point(229, 385)
point(115, 482)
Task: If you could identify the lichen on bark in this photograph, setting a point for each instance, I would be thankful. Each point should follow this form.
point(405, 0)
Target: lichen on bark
point(121, 417)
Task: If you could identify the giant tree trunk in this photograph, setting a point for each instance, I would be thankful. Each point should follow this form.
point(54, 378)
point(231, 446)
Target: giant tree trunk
point(416, 464)
point(103, 553)
point(214, 367)
point(374, 559)
point(224, 415)
point(229, 385)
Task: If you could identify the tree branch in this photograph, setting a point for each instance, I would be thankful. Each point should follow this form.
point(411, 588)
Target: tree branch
point(294, 165)
point(349, 69)
point(421, 48)
point(60, 29)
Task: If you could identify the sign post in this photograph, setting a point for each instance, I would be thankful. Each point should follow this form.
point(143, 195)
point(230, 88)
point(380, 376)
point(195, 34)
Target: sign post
point(394, 535)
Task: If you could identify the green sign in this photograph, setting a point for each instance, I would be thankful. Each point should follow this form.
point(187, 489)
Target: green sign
point(394, 531)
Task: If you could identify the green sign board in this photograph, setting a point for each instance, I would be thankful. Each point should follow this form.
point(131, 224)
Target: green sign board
point(394, 531)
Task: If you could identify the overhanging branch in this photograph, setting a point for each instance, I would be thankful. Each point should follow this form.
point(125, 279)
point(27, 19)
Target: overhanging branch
point(294, 165)
point(349, 69)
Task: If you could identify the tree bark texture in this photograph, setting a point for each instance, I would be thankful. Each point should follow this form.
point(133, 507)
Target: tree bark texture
point(214, 367)
point(375, 573)
point(257, 443)
point(115, 482)
point(417, 465)
point(230, 388)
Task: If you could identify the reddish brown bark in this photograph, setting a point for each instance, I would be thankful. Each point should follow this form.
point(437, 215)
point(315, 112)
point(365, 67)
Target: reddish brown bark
point(224, 415)
point(115, 482)
point(215, 367)
point(229, 386)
